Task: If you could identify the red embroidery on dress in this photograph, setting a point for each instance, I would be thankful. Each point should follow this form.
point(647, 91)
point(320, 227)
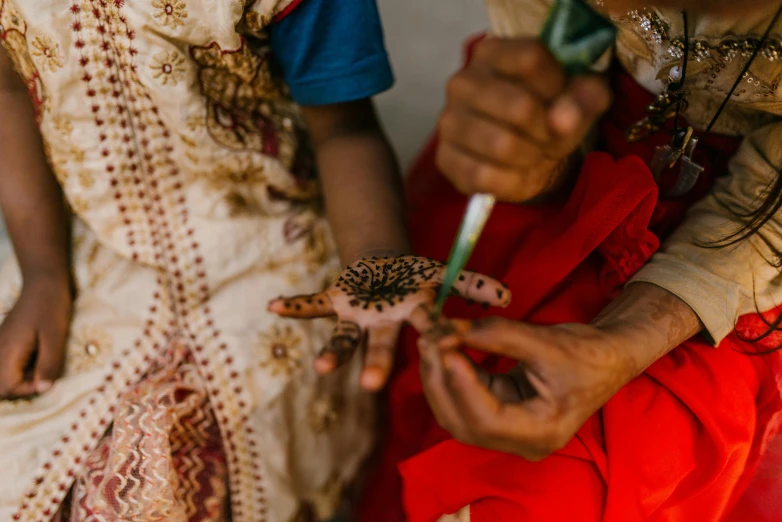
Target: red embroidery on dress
point(143, 175)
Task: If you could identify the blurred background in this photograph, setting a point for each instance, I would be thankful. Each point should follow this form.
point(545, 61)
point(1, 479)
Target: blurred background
point(424, 39)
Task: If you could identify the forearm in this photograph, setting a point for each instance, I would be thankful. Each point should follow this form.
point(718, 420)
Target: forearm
point(646, 322)
point(361, 183)
point(30, 197)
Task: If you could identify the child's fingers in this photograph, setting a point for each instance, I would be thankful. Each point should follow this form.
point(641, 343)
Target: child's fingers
point(421, 319)
point(303, 306)
point(482, 289)
point(379, 358)
point(50, 362)
point(17, 350)
point(345, 340)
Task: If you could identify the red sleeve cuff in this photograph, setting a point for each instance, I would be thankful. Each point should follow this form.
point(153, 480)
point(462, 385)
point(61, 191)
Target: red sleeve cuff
point(288, 10)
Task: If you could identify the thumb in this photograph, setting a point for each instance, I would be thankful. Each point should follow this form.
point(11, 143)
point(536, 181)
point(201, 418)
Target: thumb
point(18, 352)
point(50, 362)
point(519, 341)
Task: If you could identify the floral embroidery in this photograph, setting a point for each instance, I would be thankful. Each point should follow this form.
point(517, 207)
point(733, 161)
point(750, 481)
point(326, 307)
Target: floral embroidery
point(47, 52)
point(170, 12)
point(241, 186)
point(247, 108)
point(168, 67)
point(87, 350)
point(282, 350)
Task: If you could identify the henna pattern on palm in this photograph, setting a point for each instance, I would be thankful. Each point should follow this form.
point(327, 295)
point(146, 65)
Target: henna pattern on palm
point(373, 298)
point(369, 283)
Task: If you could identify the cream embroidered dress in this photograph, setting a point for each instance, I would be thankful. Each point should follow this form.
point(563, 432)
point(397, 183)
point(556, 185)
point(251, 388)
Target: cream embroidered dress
point(195, 204)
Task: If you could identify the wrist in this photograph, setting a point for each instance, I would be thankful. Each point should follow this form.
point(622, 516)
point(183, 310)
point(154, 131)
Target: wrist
point(647, 322)
point(51, 280)
point(563, 176)
point(378, 252)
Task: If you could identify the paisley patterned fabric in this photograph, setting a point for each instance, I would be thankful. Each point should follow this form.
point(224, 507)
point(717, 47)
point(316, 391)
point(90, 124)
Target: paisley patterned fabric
point(195, 203)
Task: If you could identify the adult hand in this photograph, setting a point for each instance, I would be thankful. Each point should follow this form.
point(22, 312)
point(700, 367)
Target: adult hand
point(566, 373)
point(512, 120)
point(372, 299)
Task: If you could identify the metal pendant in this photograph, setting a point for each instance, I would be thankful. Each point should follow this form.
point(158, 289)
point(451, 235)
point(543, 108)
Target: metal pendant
point(665, 157)
point(681, 148)
point(689, 172)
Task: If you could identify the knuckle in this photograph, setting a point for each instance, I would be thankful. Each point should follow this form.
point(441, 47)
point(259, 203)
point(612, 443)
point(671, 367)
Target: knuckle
point(503, 146)
point(598, 93)
point(484, 178)
point(488, 431)
point(532, 57)
point(448, 123)
point(460, 86)
point(487, 48)
point(520, 109)
point(555, 440)
point(461, 435)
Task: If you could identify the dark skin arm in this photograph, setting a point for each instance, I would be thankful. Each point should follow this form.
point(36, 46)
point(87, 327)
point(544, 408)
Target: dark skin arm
point(32, 337)
point(360, 177)
point(381, 288)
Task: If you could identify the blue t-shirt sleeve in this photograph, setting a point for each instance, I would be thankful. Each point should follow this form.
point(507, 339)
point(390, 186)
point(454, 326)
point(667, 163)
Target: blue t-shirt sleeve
point(332, 51)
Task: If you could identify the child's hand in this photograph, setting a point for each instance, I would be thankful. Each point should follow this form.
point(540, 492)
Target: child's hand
point(373, 299)
point(32, 339)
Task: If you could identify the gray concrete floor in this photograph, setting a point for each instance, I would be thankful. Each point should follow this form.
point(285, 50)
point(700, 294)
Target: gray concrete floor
point(424, 39)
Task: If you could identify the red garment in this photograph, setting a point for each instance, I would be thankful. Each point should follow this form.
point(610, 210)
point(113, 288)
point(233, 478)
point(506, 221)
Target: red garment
point(679, 443)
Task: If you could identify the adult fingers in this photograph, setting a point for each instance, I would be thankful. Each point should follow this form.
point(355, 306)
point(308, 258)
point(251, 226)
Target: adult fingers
point(526, 59)
point(494, 141)
point(490, 424)
point(512, 339)
point(303, 306)
point(432, 381)
point(379, 358)
point(472, 174)
point(345, 339)
point(421, 319)
point(573, 114)
point(513, 387)
point(499, 100)
point(471, 398)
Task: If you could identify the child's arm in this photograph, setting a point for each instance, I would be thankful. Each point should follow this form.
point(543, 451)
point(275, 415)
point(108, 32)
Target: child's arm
point(360, 178)
point(333, 59)
point(32, 337)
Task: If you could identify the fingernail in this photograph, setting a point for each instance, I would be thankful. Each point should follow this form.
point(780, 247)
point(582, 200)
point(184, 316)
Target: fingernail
point(43, 386)
point(566, 115)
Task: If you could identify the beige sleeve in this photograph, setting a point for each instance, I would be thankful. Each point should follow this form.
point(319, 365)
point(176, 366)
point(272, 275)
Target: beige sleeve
point(721, 284)
point(525, 19)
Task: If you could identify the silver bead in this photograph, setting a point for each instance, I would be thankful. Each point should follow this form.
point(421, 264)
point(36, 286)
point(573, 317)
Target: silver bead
point(91, 349)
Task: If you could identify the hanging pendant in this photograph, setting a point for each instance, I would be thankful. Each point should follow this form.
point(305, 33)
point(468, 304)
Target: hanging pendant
point(665, 157)
point(689, 172)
